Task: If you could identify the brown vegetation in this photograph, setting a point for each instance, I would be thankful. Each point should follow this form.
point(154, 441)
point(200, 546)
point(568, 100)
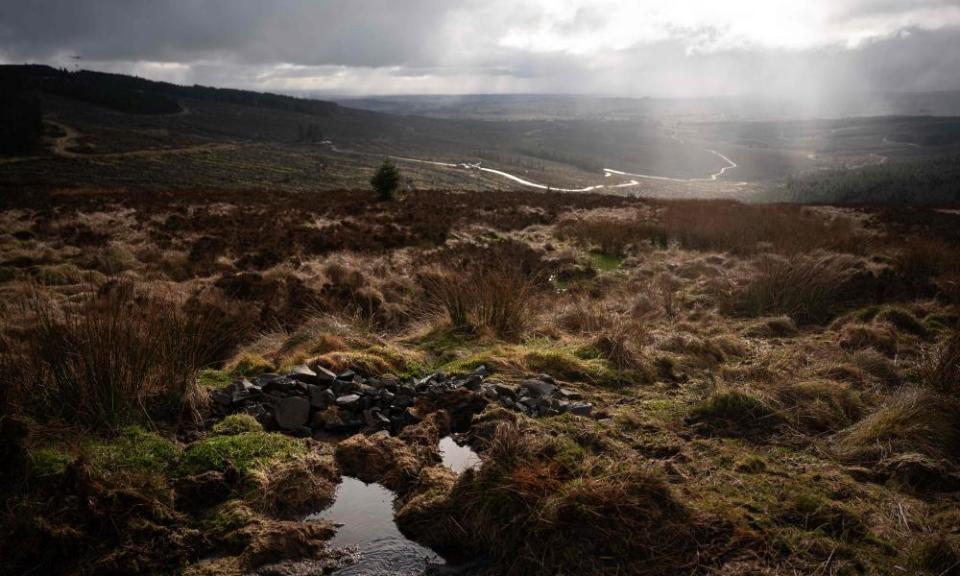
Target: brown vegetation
point(773, 388)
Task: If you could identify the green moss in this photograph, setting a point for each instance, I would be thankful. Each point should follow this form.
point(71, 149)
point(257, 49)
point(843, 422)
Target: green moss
point(134, 450)
point(494, 358)
point(237, 424)
point(572, 364)
point(48, 461)
point(751, 464)
point(214, 379)
point(245, 451)
point(816, 513)
point(734, 410)
point(605, 262)
point(566, 452)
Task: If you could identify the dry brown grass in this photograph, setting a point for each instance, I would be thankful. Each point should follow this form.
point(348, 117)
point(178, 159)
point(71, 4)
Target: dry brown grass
point(116, 357)
point(914, 421)
point(485, 288)
point(542, 506)
point(939, 368)
point(720, 225)
point(809, 289)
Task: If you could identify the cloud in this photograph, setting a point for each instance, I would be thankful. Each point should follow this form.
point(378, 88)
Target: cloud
point(654, 47)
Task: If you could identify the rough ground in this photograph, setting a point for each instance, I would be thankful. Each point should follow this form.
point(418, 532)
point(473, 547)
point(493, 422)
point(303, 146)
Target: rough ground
point(772, 389)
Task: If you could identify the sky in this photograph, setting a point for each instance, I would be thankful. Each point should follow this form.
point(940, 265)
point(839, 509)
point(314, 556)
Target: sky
point(688, 48)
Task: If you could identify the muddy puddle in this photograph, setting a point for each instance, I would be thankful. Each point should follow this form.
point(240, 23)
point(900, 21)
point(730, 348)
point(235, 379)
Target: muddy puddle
point(364, 514)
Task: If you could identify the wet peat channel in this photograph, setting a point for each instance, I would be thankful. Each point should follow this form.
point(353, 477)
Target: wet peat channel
point(364, 517)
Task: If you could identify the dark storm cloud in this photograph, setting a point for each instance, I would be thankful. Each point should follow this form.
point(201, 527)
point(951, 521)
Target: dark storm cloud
point(654, 47)
point(341, 32)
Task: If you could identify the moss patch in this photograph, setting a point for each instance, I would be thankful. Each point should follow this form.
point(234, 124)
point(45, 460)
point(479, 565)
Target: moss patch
point(48, 461)
point(134, 450)
point(237, 424)
point(214, 379)
point(245, 451)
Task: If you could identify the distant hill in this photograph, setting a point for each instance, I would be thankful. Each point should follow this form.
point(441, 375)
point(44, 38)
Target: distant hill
point(140, 96)
point(927, 181)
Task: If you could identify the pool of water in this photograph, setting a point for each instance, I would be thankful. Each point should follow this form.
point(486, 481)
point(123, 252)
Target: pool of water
point(456, 457)
point(364, 515)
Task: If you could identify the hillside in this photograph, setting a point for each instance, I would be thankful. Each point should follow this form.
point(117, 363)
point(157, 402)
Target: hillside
point(112, 130)
point(931, 181)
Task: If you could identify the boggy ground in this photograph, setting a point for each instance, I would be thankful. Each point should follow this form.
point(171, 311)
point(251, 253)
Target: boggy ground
point(776, 389)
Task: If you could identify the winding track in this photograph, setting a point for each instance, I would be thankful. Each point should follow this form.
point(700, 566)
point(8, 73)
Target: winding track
point(607, 172)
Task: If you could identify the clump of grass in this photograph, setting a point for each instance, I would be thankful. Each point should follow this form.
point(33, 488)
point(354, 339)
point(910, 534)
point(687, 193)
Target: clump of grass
point(210, 378)
point(940, 367)
point(702, 352)
point(922, 258)
point(116, 358)
point(294, 486)
point(809, 289)
point(819, 405)
point(245, 451)
point(777, 327)
point(877, 365)
point(236, 424)
point(914, 422)
point(537, 514)
point(249, 364)
point(585, 317)
point(498, 300)
point(493, 292)
point(938, 555)
point(374, 360)
point(566, 365)
point(903, 320)
point(856, 336)
point(735, 412)
point(619, 344)
point(813, 512)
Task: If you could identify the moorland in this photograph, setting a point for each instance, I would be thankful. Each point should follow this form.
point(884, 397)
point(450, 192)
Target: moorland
point(652, 385)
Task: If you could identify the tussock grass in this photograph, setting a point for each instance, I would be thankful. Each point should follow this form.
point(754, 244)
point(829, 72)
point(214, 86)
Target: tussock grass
point(534, 511)
point(939, 368)
point(915, 421)
point(880, 337)
point(818, 406)
point(116, 357)
point(493, 293)
point(373, 360)
point(736, 412)
point(809, 289)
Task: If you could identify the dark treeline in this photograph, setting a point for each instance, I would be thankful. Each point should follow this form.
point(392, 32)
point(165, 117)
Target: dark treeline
point(931, 181)
point(21, 123)
point(137, 95)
